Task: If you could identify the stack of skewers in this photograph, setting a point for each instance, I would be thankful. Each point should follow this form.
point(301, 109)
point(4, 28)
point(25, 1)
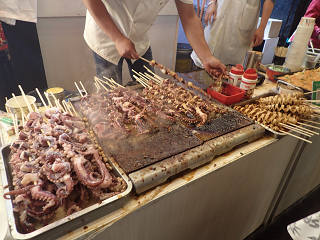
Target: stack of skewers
point(283, 113)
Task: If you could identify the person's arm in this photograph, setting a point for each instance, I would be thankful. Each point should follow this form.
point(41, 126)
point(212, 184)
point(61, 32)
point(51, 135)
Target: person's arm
point(124, 45)
point(194, 32)
point(314, 12)
point(266, 12)
point(211, 11)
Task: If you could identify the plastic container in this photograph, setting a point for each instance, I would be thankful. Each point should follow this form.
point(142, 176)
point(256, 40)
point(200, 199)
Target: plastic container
point(14, 107)
point(248, 82)
point(235, 75)
point(230, 94)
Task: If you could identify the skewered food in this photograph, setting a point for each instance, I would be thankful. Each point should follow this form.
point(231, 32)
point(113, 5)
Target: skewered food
point(173, 74)
point(182, 103)
point(273, 111)
point(55, 164)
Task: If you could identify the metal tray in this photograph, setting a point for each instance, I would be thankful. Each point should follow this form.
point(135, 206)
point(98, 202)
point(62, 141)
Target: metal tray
point(69, 223)
point(276, 78)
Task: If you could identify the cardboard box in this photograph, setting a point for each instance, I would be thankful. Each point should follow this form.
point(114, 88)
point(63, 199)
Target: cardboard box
point(268, 50)
point(272, 29)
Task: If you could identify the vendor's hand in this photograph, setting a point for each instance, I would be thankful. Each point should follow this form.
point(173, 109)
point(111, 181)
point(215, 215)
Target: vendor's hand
point(126, 48)
point(211, 11)
point(214, 66)
point(258, 37)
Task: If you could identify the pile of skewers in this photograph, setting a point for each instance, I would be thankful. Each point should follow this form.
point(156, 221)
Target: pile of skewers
point(283, 113)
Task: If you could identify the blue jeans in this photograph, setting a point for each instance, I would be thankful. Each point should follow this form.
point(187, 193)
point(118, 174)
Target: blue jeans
point(110, 70)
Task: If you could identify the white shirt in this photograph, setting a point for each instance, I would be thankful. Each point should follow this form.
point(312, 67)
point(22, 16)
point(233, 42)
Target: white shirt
point(132, 17)
point(230, 35)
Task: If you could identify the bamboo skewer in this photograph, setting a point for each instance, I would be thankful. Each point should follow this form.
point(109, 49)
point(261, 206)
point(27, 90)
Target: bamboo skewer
point(7, 109)
point(296, 130)
point(312, 92)
point(313, 101)
point(25, 99)
point(76, 113)
point(113, 81)
point(97, 83)
point(308, 125)
point(97, 86)
point(140, 81)
point(100, 81)
point(155, 75)
point(21, 110)
point(47, 97)
point(78, 89)
point(15, 125)
point(105, 82)
point(295, 136)
point(310, 121)
point(83, 88)
point(305, 129)
point(65, 106)
point(43, 102)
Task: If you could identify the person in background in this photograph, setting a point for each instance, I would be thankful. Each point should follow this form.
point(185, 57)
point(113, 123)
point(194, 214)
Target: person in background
point(117, 31)
point(314, 12)
point(232, 28)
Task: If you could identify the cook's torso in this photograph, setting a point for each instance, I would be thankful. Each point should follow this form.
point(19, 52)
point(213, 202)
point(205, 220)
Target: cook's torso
point(230, 35)
point(132, 17)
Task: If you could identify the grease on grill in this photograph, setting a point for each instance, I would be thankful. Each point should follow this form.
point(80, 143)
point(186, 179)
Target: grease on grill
point(135, 153)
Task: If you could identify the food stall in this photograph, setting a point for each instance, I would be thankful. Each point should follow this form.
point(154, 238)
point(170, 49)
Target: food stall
point(220, 179)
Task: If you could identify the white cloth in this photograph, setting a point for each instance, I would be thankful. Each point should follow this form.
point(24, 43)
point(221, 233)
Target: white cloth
point(230, 35)
point(133, 18)
point(24, 10)
point(306, 228)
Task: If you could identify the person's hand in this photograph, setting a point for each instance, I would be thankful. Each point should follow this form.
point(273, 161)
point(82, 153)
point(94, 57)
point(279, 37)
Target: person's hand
point(258, 37)
point(214, 66)
point(126, 48)
point(211, 11)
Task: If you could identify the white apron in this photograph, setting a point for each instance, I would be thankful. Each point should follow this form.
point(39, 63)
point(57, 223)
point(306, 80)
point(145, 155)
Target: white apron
point(230, 35)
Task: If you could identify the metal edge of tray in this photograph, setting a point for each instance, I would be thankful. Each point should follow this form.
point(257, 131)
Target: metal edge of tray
point(68, 223)
point(276, 77)
point(158, 173)
point(275, 134)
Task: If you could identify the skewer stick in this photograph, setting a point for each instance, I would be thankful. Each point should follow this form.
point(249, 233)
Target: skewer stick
point(76, 113)
point(15, 124)
point(43, 102)
point(141, 76)
point(78, 89)
point(109, 80)
point(304, 129)
point(83, 88)
point(153, 78)
point(47, 97)
point(65, 106)
point(308, 125)
point(117, 83)
point(295, 136)
point(140, 81)
point(7, 109)
point(155, 75)
point(296, 130)
point(144, 59)
point(312, 92)
point(310, 121)
point(313, 101)
point(21, 110)
point(25, 99)
point(35, 107)
point(101, 81)
point(97, 86)
point(96, 82)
